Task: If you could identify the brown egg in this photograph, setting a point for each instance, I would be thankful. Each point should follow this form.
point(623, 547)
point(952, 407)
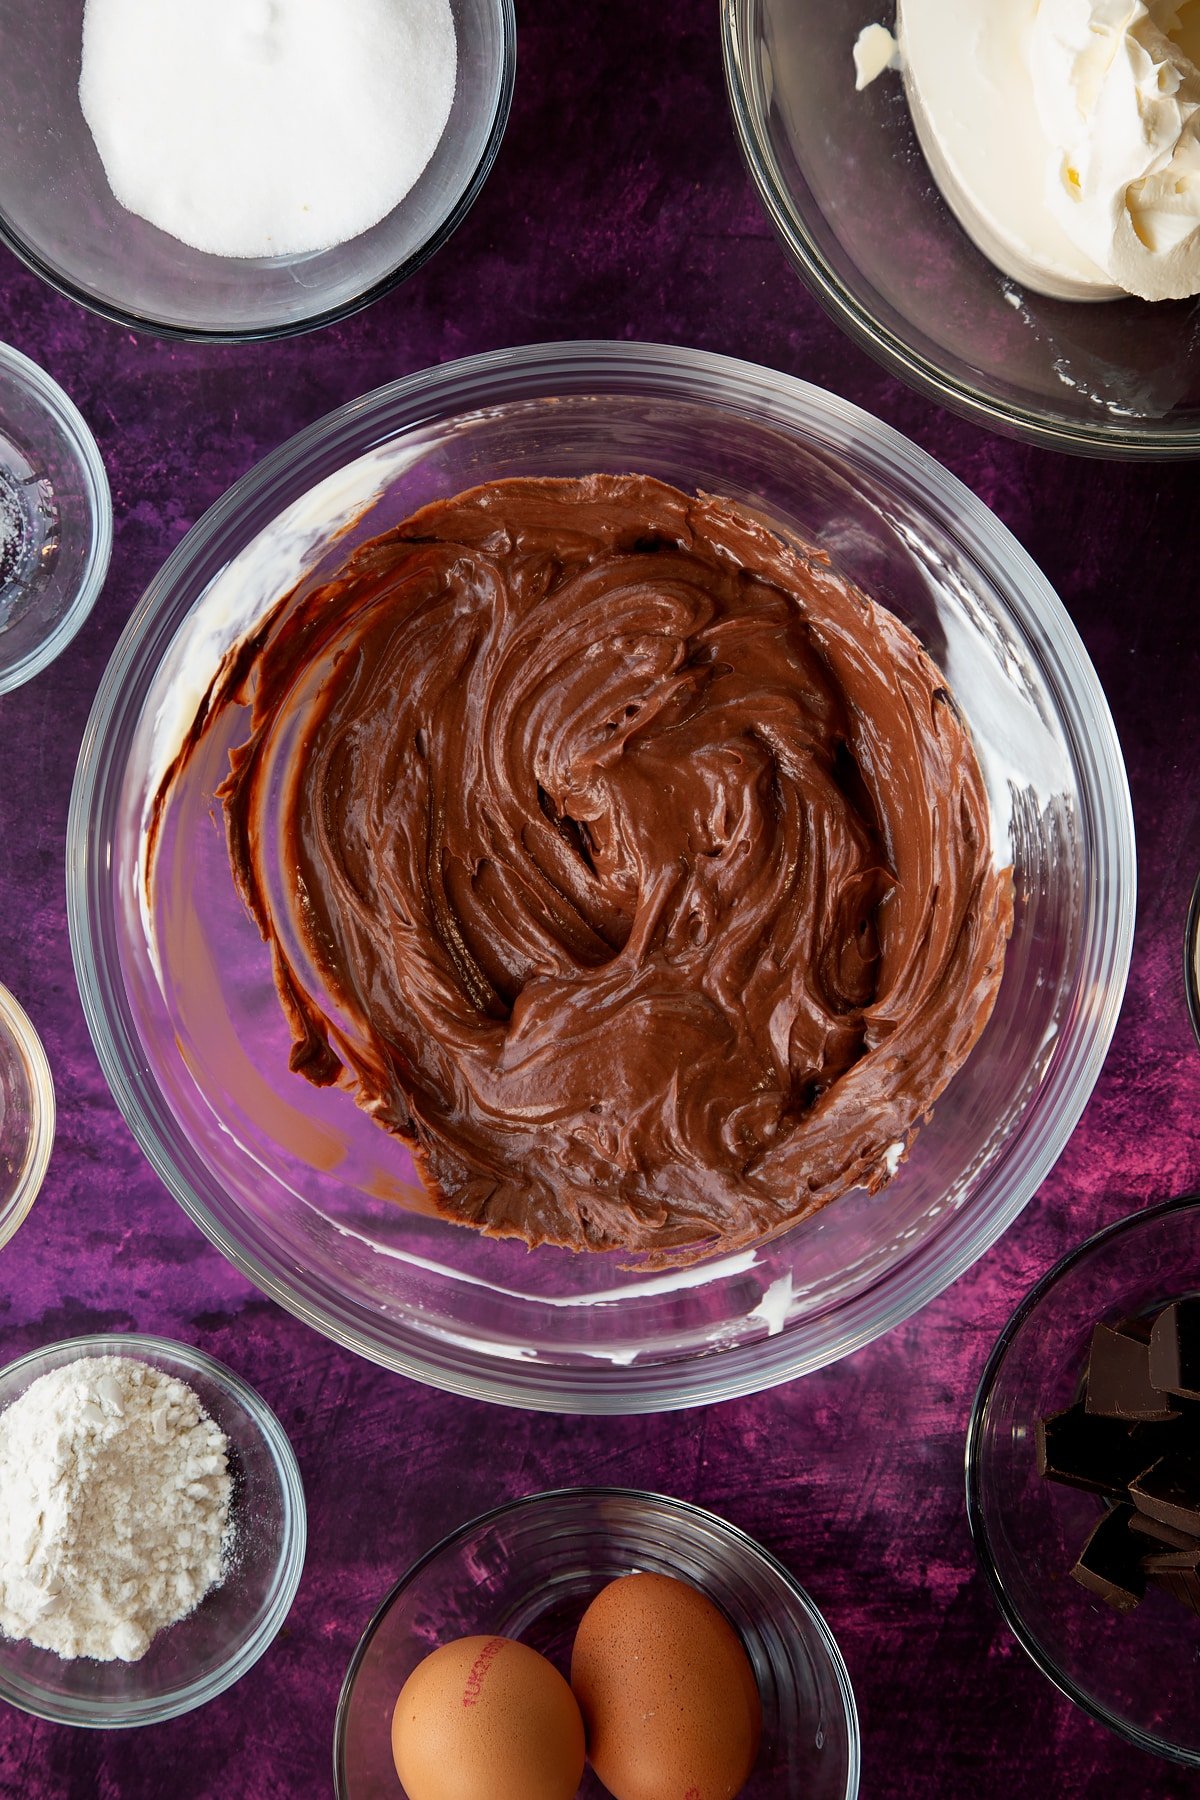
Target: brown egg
point(667, 1693)
point(486, 1718)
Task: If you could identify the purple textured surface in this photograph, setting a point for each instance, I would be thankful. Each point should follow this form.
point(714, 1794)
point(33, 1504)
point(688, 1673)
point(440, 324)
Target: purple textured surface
point(618, 207)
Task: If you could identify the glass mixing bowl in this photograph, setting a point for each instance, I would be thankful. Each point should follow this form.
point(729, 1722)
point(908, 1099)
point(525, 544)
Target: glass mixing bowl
point(843, 181)
point(300, 1188)
point(1136, 1672)
point(58, 213)
point(530, 1569)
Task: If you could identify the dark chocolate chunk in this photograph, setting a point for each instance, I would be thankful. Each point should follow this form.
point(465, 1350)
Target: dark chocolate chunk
point(1155, 1532)
point(1182, 1585)
point(1110, 1563)
point(1170, 1492)
point(1102, 1455)
point(1118, 1378)
point(1175, 1349)
point(1173, 1562)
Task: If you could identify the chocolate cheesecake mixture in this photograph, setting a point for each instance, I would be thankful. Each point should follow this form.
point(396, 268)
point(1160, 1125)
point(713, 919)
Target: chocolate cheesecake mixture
point(619, 858)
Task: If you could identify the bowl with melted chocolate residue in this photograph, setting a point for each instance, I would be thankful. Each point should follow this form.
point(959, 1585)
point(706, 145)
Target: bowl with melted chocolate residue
point(380, 933)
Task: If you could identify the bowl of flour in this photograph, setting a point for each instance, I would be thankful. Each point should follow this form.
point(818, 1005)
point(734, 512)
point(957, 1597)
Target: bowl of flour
point(152, 1530)
point(241, 169)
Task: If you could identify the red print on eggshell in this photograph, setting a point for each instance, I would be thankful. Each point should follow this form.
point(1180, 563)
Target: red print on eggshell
point(480, 1667)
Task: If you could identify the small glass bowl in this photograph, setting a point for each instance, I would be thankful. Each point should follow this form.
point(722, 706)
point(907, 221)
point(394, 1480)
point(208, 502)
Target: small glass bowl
point(55, 520)
point(841, 177)
point(1139, 1672)
point(59, 215)
point(1191, 960)
point(191, 1662)
point(529, 1569)
point(26, 1115)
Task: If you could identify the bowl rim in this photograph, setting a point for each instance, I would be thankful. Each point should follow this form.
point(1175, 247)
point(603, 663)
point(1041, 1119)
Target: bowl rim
point(685, 1510)
point(973, 1457)
point(37, 264)
point(1114, 441)
point(1191, 959)
point(19, 1025)
point(110, 1715)
point(66, 416)
point(619, 369)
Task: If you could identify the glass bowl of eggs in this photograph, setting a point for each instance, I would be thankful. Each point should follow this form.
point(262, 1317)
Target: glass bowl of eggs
point(301, 1186)
point(653, 1608)
point(168, 176)
point(844, 179)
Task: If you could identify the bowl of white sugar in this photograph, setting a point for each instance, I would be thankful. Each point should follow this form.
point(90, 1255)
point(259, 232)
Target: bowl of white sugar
point(152, 1530)
point(240, 169)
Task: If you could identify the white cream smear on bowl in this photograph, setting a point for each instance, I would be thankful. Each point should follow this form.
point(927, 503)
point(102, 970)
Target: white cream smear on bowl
point(1065, 136)
point(265, 128)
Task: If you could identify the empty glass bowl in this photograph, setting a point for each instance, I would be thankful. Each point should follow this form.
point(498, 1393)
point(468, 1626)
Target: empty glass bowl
point(529, 1570)
point(843, 180)
point(58, 213)
point(26, 1115)
point(302, 1189)
point(1137, 1672)
point(192, 1661)
point(55, 520)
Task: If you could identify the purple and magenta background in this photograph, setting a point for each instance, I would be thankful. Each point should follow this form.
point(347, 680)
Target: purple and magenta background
point(618, 208)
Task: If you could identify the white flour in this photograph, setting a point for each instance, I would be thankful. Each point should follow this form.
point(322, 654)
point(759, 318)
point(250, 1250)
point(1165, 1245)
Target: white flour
point(114, 1508)
point(266, 127)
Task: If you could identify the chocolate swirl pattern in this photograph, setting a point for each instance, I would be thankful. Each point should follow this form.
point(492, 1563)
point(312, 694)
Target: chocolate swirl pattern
point(618, 857)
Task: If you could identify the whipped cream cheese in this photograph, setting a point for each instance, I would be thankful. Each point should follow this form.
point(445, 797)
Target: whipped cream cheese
point(973, 106)
point(875, 49)
point(1117, 89)
point(1065, 136)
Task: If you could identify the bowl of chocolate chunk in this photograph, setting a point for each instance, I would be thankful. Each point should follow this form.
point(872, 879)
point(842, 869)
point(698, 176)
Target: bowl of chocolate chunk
point(245, 170)
point(998, 201)
point(601, 876)
point(1083, 1477)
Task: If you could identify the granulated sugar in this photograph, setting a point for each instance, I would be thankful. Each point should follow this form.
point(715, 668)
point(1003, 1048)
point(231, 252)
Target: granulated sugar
point(258, 128)
point(114, 1508)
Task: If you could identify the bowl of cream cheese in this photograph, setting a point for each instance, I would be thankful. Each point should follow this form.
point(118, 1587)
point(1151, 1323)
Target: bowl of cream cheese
point(1001, 201)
